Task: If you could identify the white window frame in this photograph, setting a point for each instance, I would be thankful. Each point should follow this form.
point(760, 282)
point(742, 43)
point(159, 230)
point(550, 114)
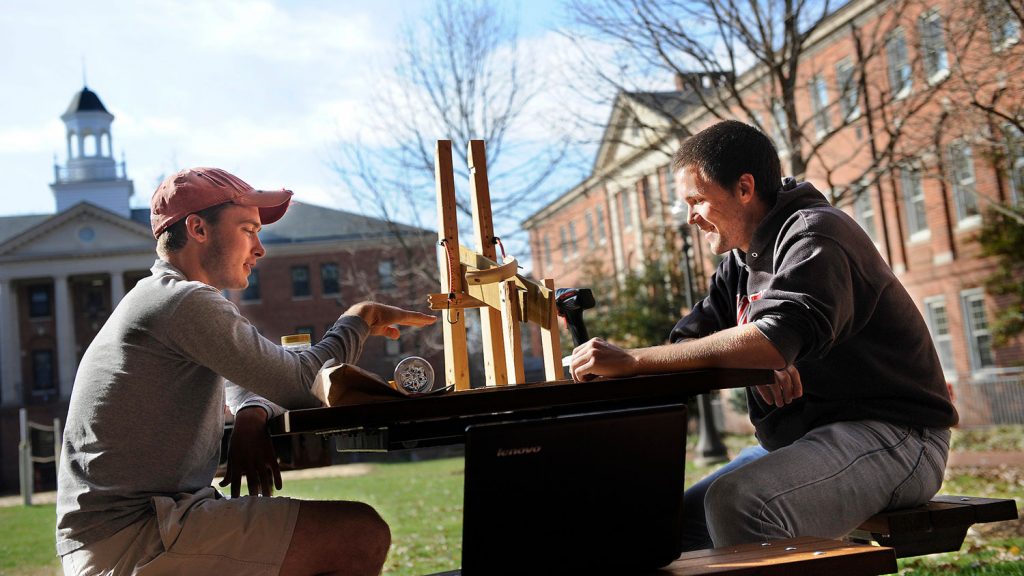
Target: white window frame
point(386, 274)
point(819, 104)
point(962, 179)
point(864, 210)
point(572, 239)
point(944, 340)
point(589, 219)
point(563, 236)
point(780, 122)
point(912, 183)
point(601, 236)
point(1002, 33)
point(849, 90)
point(973, 333)
point(935, 58)
point(897, 62)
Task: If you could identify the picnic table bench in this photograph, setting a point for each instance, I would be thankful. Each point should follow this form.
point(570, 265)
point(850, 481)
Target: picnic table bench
point(938, 526)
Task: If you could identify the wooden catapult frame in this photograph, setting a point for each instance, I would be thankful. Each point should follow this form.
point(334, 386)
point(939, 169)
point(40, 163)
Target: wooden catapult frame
point(475, 279)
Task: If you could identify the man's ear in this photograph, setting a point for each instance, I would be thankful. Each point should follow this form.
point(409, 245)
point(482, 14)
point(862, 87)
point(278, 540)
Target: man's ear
point(745, 191)
point(197, 228)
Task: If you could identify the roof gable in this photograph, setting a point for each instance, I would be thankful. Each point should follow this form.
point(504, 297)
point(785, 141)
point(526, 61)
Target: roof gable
point(638, 121)
point(81, 231)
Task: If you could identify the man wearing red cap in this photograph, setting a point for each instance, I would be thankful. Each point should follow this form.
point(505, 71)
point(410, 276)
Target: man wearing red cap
point(142, 439)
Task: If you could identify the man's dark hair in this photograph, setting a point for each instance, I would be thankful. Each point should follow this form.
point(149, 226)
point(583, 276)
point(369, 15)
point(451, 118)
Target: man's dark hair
point(175, 236)
point(724, 152)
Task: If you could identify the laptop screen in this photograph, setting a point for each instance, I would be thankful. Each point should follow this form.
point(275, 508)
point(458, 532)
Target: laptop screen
point(596, 492)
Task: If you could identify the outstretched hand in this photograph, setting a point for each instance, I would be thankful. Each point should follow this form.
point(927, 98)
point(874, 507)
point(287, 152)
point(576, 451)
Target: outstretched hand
point(382, 318)
point(251, 455)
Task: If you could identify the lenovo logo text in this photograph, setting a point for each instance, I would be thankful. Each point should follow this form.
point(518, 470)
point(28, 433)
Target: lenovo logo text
point(525, 451)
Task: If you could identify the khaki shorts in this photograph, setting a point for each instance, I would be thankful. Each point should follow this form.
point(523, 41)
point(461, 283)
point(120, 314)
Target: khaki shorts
point(201, 533)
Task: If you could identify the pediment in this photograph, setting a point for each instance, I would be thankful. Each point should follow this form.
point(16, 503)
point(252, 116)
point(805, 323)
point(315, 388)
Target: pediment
point(634, 126)
point(84, 230)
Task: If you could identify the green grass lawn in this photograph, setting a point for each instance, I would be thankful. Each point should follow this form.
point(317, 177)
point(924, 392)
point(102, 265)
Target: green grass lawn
point(422, 501)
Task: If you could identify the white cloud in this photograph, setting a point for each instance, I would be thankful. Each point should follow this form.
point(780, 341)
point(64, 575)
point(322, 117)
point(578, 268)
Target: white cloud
point(40, 139)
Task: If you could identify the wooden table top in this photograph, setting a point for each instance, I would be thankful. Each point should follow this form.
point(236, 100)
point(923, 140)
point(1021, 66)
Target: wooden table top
point(442, 418)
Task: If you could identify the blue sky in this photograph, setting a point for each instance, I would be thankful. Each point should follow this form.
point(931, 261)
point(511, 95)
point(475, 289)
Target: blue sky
point(265, 89)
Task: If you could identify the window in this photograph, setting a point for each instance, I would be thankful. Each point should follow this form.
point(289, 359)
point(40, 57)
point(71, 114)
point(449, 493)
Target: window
point(252, 291)
point(913, 198)
point(779, 135)
point(962, 176)
point(938, 326)
point(572, 238)
point(933, 46)
point(849, 96)
point(591, 242)
point(547, 251)
point(44, 373)
point(40, 301)
point(1015, 162)
point(564, 244)
point(386, 274)
point(627, 210)
point(329, 280)
point(1003, 25)
point(979, 340)
point(865, 212)
point(900, 80)
point(819, 104)
point(600, 224)
point(300, 281)
point(670, 185)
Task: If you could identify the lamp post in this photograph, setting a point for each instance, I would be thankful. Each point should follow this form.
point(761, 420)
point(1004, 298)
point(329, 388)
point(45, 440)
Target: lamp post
point(710, 448)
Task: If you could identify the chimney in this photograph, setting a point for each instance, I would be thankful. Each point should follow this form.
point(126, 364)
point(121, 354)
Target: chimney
point(680, 82)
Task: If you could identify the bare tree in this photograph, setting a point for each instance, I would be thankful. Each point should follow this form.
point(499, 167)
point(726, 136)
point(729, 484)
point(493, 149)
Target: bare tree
point(460, 76)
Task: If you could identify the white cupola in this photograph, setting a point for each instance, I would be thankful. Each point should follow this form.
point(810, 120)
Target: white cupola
point(91, 173)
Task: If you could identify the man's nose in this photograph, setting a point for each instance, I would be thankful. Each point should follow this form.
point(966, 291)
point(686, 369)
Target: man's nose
point(258, 249)
point(690, 214)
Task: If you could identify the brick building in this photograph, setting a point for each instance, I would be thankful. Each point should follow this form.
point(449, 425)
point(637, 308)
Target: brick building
point(62, 274)
point(890, 107)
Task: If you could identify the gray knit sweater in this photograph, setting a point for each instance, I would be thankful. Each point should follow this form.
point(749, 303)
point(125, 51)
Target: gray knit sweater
point(147, 408)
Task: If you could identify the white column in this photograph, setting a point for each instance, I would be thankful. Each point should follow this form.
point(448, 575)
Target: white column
point(116, 287)
point(10, 359)
point(66, 357)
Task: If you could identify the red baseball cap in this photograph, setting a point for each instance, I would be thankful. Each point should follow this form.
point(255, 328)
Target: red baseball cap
point(195, 189)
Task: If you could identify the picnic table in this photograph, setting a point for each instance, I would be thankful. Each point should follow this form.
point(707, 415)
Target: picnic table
point(939, 526)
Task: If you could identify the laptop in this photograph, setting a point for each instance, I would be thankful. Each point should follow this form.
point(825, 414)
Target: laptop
point(589, 494)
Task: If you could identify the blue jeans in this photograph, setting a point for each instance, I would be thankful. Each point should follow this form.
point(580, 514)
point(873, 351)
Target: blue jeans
point(824, 484)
